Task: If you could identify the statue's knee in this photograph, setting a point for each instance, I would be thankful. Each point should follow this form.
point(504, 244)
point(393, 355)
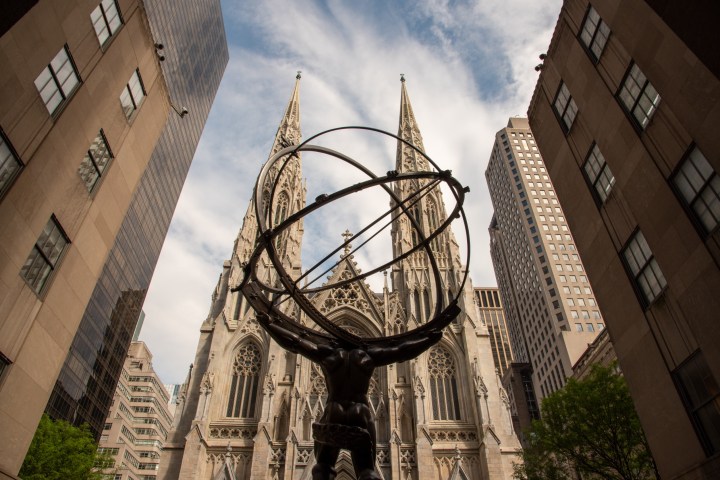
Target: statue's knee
point(323, 471)
point(369, 475)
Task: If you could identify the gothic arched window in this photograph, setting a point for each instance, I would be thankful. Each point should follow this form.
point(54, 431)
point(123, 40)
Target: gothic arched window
point(443, 385)
point(415, 239)
point(281, 212)
point(426, 302)
point(245, 380)
point(266, 201)
point(433, 223)
point(281, 208)
point(432, 216)
point(418, 308)
point(238, 305)
point(417, 215)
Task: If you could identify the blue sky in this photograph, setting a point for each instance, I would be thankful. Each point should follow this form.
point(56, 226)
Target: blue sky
point(468, 65)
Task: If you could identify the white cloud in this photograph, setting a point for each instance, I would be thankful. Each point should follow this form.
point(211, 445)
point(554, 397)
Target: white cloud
point(469, 66)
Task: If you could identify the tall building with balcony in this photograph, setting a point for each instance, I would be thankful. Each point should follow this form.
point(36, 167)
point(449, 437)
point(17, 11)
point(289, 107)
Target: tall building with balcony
point(139, 420)
point(549, 304)
point(493, 316)
point(93, 153)
point(625, 113)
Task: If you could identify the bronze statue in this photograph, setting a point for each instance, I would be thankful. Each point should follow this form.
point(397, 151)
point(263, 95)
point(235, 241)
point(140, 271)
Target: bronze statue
point(347, 360)
point(348, 421)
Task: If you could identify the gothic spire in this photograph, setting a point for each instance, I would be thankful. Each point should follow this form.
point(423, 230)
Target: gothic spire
point(407, 159)
point(293, 196)
point(289, 130)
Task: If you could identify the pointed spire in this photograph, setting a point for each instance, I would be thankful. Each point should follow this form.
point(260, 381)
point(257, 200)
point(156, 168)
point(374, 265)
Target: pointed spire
point(407, 159)
point(289, 131)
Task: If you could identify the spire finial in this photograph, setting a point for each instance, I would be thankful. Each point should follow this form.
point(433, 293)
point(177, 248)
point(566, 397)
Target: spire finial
point(402, 77)
point(347, 236)
point(299, 75)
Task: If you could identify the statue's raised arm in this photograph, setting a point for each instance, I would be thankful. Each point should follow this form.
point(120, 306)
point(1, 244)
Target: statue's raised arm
point(413, 346)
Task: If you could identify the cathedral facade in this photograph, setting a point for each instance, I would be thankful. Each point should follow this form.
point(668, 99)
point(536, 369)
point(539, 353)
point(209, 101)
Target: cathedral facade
point(248, 405)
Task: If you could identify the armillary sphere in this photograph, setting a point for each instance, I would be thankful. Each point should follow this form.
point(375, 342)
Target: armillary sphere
point(268, 299)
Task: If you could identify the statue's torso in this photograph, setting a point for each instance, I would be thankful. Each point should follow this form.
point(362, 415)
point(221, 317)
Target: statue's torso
point(347, 375)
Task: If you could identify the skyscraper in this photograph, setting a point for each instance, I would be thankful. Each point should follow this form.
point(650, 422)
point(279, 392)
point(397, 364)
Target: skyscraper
point(549, 304)
point(194, 52)
point(248, 405)
point(626, 113)
point(138, 421)
point(493, 316)
point(91, 164)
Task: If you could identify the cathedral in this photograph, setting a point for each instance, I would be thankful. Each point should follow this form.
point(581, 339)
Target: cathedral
point(247, 407)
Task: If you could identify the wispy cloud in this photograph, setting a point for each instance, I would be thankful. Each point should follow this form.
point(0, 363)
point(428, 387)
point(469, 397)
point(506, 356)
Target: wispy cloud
point(469, 66)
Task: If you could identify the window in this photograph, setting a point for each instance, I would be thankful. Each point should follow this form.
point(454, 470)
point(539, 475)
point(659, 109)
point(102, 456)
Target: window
point(638, 96)
point(645, 270)
point(10, 164)
point(133, 94)
point(417, 216)
point(443, 385)
point(106, 20)
point(244, 384)
point(565, 107)
point(594, 33)
point(44, 257)
point(699, 186)
point(57, 81)
point(281, 209)
point(598, 174)
point(96, 160)
point(418, 306)
point(426, 303)
point(103, 462)
point(701, 396)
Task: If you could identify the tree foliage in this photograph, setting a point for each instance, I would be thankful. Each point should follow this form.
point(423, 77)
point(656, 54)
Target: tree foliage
point(60, 450)
point(589, 430)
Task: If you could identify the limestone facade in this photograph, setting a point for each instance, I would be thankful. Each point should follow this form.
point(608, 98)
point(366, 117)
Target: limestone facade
point(72, 156)
point(625, 112)
point(247, 407)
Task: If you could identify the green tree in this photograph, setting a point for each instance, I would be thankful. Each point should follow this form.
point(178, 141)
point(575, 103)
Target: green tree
point(60, 450)
point(589, 430)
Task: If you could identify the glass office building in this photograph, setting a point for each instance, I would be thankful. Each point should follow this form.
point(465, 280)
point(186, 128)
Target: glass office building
point(196, 53)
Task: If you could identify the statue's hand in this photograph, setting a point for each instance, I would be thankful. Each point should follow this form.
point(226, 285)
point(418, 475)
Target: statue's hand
point(435, 335)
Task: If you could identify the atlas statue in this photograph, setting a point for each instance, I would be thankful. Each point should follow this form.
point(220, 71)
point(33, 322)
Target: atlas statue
point(347, 360)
